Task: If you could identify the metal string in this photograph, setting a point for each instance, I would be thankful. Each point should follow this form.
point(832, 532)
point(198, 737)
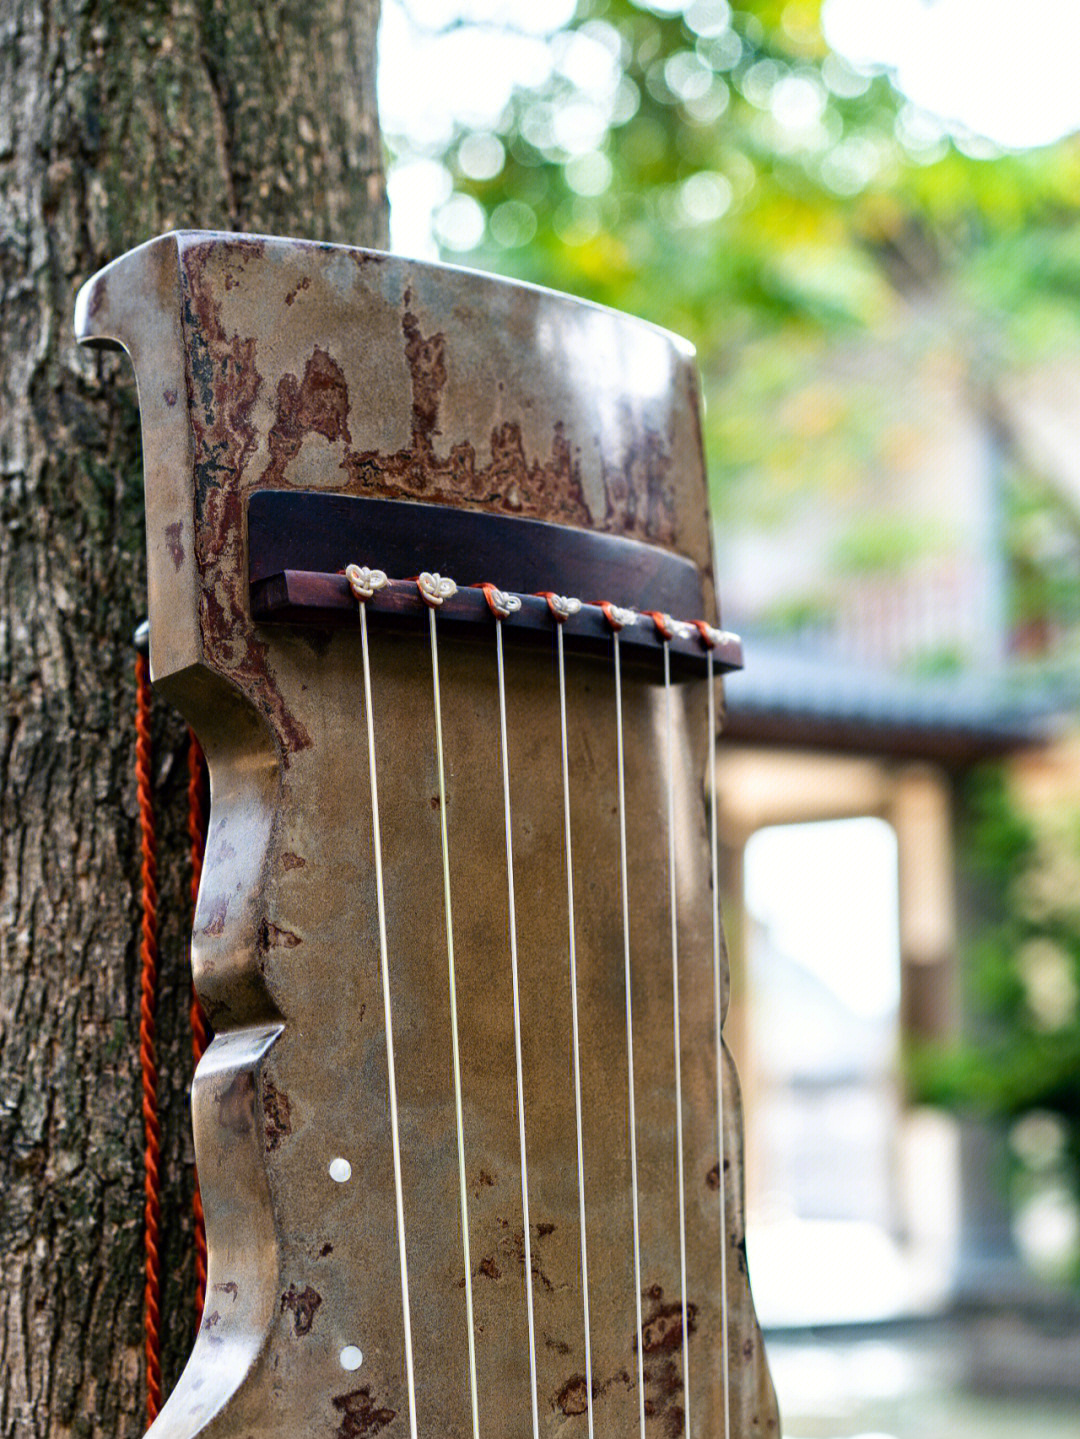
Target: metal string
point(621, 767)
point(458, 1115)
point(517, 1027)
point(677, 1033)
point(574, 1018)
point(722, 1187)
point(389, 1026)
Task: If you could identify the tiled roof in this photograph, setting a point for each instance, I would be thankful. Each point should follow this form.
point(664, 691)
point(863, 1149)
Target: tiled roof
point(790, 698)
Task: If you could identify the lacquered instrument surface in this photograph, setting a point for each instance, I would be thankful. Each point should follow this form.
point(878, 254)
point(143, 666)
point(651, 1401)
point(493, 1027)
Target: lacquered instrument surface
point(269, 364)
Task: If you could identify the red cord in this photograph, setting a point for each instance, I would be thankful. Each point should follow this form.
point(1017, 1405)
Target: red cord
point(200, 1035)
point(148, 955)
point(662, 623)
point(490, 591)
point(710, 636)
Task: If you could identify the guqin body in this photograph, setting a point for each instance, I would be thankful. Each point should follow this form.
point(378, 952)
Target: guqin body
point(306, 408)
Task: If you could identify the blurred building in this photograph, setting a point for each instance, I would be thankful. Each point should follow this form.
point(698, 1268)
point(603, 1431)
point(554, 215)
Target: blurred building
point(915, 620)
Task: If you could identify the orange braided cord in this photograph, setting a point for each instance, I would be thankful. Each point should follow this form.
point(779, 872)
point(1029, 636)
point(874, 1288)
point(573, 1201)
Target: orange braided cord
point(200, 1035)
point(148, 955)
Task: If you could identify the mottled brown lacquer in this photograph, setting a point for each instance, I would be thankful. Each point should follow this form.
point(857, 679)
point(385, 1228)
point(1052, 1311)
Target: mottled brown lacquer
point(269, 363)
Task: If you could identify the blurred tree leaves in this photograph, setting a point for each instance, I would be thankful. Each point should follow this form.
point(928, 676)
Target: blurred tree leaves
point(720, 172)
point(685, 164)
point(1020, 1060)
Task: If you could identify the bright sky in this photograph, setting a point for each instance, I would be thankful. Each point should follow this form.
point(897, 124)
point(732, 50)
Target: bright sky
point(1002, 70)
point(446, 65)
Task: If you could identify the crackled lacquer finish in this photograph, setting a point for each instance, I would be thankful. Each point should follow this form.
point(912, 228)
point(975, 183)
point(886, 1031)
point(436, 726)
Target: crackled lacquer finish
point(264, 363)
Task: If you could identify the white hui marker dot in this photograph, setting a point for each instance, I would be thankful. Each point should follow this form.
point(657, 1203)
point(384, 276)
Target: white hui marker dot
point(340, 1173)
point(351, 1357)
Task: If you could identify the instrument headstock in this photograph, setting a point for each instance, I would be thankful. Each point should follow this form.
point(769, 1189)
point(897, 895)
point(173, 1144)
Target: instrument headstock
point(360, 1113)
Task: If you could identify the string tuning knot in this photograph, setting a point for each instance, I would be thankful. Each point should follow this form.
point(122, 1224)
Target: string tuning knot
point(364, 582)
point(434, 588)
point(670, 629)
point(617, 617)
point(562, 606)
point(501, 604)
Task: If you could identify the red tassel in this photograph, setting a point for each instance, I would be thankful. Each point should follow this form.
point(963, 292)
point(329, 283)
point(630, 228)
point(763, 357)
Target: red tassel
point(148, 955)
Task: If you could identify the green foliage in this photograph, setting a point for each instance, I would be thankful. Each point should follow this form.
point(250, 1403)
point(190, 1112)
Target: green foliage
point(938, 662)
point(710, 184)
point(881, 544)
point(720, 172)
point(1044, 559)
point(1020, 1062)
point(796, 617)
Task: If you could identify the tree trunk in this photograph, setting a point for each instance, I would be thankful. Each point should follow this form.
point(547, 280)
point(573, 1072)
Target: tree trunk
point(117, 121)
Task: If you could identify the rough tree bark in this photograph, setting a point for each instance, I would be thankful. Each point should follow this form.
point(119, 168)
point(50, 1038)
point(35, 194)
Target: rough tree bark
point(118, 120)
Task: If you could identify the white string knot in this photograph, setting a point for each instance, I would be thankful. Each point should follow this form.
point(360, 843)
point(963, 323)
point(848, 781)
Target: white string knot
point(562, 606)
point(434, 588)
point(711, 637)
point(501, 604)
point(670, 629)
point(364, 582)
point(617, 617)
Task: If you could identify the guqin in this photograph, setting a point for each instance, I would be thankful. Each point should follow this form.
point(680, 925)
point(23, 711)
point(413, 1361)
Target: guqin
point(429, 576)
